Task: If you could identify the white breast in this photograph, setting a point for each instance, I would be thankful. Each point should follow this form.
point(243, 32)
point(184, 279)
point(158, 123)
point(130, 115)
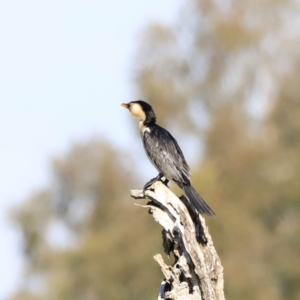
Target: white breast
point(143, 128)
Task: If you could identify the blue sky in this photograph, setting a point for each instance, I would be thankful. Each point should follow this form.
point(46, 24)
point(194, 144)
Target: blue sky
point(64, 67)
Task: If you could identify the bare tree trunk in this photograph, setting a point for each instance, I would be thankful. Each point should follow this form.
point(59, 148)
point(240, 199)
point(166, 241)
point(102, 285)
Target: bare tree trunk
point(197, 272)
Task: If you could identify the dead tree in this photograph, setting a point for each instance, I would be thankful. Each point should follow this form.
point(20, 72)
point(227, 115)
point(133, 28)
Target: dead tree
point(197, 272)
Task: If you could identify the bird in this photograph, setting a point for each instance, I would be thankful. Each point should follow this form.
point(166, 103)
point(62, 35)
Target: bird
point(166, 156)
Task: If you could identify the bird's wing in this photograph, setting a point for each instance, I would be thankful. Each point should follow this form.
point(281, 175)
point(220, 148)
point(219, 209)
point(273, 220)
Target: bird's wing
point(166, 155)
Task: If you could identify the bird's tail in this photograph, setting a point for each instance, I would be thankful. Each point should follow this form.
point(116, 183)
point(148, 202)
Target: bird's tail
point(197, 202)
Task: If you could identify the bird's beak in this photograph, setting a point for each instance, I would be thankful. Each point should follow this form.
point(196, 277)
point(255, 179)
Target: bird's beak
point(125, 105)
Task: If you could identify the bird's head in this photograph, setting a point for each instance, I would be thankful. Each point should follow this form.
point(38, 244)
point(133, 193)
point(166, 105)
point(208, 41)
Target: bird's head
point(141, 110)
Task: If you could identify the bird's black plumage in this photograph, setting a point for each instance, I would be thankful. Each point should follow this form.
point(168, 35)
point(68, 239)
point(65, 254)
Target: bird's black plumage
point(165, 154)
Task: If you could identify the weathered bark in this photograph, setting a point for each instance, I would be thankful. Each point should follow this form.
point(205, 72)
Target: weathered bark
point(197, 272)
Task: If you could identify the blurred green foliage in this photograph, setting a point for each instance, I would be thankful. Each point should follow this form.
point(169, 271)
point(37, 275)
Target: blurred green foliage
point(83, 237)
point(227, 75)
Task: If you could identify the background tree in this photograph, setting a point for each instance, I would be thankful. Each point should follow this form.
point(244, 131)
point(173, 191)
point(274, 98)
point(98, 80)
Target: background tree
point(227, 72)
point(83, 238)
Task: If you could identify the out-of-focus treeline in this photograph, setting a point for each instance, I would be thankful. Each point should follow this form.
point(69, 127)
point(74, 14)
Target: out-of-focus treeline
point(225, 75)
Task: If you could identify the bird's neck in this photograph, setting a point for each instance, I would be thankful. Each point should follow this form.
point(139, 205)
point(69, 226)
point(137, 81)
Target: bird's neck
point(150, 118)
point(144, 127)
point(147, 122)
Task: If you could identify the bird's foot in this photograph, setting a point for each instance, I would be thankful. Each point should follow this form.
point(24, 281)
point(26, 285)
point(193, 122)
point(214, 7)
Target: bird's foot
point(165, 182)
point(150, 182)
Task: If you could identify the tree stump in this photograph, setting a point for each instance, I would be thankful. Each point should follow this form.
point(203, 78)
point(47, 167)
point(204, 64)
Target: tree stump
point(197, 272)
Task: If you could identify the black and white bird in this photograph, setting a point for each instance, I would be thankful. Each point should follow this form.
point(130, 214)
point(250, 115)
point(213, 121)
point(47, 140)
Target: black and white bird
point(165, 154)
